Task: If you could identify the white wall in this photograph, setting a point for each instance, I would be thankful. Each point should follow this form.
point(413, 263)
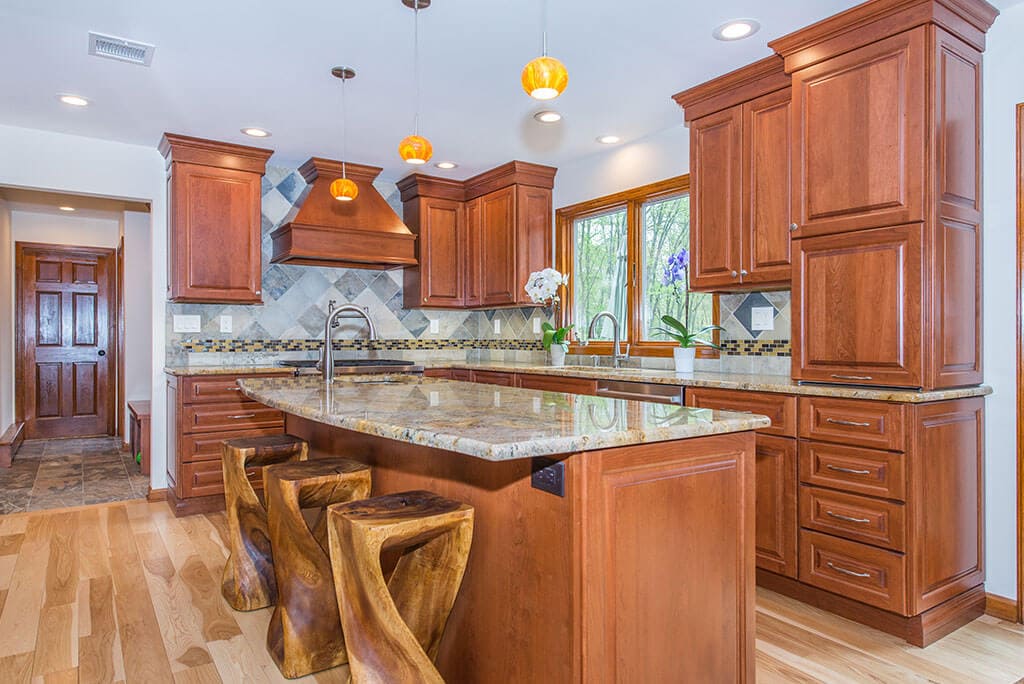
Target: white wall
point(6, 318)
point(138, 307)
point(52, 228)
point(88, 166)
point(1004, 88)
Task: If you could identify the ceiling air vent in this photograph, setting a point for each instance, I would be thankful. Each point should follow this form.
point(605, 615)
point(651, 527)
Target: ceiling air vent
point(120, 49)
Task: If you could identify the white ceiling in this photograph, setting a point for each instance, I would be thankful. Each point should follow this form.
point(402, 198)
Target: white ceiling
point(224, 64)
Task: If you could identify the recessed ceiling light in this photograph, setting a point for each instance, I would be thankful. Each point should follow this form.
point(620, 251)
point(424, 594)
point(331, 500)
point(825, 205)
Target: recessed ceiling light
point(256, 132)
point(736, 29)
point(446, 165)
point(609, 139)
point(73, 100)
point(547, 116)
point(66, 208)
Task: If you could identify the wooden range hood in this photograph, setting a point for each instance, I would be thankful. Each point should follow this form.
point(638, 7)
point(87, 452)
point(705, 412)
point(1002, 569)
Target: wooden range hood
point(365, 233)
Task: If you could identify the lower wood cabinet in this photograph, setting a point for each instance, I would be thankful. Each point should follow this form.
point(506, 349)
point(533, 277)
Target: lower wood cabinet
point(203, 411)
point(776, 502)
point(555, 383)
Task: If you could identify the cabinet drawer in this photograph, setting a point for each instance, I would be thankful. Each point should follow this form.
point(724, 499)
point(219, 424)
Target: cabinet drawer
point(494, 378)
point(857, 571)
point(206, 478)
point(853, 517)
point(235, 416)
point(205, 446)
point(853, 469)
point(195, 390)
point(779, 407)
point(445, 373)
point(853, 421)
point(553, 383)
point(463, 374)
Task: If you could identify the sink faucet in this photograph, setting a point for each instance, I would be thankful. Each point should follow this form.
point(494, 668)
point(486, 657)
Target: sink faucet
point(617, 358)
point(327, 358)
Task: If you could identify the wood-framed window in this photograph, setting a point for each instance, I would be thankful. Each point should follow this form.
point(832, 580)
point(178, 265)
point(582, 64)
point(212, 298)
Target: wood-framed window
point(615, 250)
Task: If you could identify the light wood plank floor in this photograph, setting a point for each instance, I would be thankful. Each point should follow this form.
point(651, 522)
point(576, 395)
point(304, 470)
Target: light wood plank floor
point(126, 592)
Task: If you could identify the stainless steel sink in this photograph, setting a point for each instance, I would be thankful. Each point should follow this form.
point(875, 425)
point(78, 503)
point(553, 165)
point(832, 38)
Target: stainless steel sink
point(355, 366)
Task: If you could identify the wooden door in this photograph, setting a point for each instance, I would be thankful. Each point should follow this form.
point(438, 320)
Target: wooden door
point(533, 236)
point(442, 243)
point(498, 247)
point(859, 135)
point(471, 264)
point(214, 236)
point(767, 153)
point(776, 528)
point(66, 340)
point(857, 308)
point(716, 199)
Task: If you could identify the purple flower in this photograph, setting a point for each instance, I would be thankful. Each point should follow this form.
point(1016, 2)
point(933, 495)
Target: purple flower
point(675, 271)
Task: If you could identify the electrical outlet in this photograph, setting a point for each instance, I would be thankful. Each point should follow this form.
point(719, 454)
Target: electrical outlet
point(187, 323)
point(435, 326)
point(497, 326)
point(536, 326)
point(762, 318)
point(225, 324)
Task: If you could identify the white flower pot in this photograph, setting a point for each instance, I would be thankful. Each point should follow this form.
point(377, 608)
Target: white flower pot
point(683, 356)
point(557, 355)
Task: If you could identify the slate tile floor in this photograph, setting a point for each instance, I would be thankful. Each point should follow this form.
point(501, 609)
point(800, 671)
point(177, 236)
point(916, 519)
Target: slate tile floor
point(59, 473)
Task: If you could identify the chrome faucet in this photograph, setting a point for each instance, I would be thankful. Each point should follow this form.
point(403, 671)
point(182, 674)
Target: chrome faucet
point(327, 358)
point(617, 358)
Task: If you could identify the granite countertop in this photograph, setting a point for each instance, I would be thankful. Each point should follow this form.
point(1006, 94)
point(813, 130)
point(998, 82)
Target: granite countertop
point(226, 370)
point(485, 421)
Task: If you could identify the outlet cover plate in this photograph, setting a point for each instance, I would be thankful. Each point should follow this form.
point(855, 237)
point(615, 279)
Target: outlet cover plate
point(225, 323)
point(187, 323)
point(762, 318)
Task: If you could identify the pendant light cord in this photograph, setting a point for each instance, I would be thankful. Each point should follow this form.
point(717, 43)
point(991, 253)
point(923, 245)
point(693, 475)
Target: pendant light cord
point(544, 27)
point(344, 127)
point(416, 64)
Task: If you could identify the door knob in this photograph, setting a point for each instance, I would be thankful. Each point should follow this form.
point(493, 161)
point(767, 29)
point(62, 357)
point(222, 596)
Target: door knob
point(734, 274)
point(102, 352)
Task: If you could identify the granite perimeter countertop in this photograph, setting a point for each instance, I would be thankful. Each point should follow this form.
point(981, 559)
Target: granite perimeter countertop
point(485, 421)
point(226, 370)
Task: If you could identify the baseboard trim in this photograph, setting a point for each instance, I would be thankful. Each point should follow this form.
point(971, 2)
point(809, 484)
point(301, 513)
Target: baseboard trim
point(1001, 607)
point(156, 495)
point(10, 442)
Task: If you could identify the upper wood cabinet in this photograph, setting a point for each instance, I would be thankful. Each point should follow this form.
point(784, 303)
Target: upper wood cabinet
point(479, 239)
point(213, 236)
point(740, 159)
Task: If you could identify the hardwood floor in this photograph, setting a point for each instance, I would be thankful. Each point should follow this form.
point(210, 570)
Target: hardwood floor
point(127, 592)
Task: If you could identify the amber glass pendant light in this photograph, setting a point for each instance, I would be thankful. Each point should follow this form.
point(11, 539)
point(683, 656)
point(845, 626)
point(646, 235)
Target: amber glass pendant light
point(415, 149)
point(544, 78)
point(344, 189)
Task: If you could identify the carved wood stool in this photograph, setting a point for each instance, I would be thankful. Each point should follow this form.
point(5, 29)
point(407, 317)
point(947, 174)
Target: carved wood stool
point(248, 579)
point(393, 629)
point(305, 633)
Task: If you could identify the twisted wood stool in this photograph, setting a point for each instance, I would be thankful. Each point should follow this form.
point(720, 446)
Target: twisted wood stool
point(393, 629)
point(248, 579)
point(305, 633)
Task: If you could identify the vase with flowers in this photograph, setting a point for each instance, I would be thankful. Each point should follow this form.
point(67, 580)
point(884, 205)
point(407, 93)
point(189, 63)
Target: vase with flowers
point(542, 287)
point(677, 271)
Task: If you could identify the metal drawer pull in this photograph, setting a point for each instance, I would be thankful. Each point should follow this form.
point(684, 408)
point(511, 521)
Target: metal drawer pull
point(847, 518)
point(850, 423)
point(847, 572)
point(851, 377)
point(851, 471)
point(242, 416)
point(234, 389)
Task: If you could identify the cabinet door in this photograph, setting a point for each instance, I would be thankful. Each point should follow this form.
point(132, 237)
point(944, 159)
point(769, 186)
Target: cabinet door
point(214, 235)
point(495, 378)
point(533, 236)
point(715, 199)
point(442, 240)
point(498, 247)
point(471, 264)
point(767, 153)
point(776, 481)
point(857, 303)
point(859, 134)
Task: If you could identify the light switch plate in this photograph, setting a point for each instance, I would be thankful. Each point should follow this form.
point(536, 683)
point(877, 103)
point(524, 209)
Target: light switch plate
point(536, 326)
point(762, 318)
point(435, 326)
point(225, 324)
point(187, 323)
point(497, 326)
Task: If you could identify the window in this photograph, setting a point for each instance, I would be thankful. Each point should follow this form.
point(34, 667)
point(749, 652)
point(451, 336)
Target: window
point(616, 251)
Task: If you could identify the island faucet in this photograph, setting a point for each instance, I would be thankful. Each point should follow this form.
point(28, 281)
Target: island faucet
point(327, 358)
point(617, 358)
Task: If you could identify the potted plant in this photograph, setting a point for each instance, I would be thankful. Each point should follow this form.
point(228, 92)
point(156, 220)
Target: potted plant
point(542, 287)
point(677, 271)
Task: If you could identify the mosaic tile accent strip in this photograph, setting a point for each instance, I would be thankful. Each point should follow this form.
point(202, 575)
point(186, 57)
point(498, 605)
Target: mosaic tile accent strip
point(359, 345)
point(757, 347)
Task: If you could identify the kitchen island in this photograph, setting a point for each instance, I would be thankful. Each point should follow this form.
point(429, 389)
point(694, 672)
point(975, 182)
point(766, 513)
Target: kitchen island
point(613, 539)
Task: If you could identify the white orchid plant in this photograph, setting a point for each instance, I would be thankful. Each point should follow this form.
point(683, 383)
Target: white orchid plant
point(542, 287)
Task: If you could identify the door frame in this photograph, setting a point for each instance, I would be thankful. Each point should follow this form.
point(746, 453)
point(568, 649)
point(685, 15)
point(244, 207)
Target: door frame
point(114, 325)
point(1020, 363)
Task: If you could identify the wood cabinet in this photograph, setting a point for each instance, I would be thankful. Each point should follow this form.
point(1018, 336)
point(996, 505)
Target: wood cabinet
point(554, 383)
point(203, 411)
point(740, 159)
point(214, 203)
point(479, 239)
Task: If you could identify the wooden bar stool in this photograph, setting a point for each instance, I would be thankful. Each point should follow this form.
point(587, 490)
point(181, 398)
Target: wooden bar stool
point(393, 629)
point(305, 633)
point(248, 579)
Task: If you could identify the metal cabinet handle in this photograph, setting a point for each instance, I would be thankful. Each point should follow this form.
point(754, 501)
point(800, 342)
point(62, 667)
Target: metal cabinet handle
point(744, 271)
point(793, 227)
point(851, 377)
point(735, 274)
point(851, 573)
point(242, 416)
point(847, 518)
point(234, 389)
point(851, 471)
point(849, 423)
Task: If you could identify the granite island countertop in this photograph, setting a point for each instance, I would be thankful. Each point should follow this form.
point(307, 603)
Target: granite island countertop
point(485, 421)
